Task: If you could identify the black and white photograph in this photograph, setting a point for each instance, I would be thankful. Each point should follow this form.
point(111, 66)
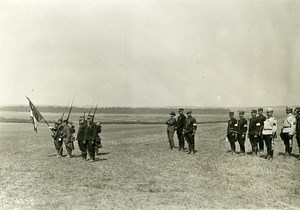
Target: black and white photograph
point(149, 104)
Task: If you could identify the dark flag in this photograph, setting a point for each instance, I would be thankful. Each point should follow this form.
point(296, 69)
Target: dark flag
point(35, 115)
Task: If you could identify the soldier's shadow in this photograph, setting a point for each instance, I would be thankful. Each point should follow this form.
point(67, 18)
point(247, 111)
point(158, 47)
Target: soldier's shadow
point(292, 155)
point(97, 160)
point(103, 153)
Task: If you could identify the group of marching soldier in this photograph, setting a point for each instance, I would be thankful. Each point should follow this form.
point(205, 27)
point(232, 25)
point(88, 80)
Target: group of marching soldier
point(88, 137)
point(185, 127)
point(263, 129)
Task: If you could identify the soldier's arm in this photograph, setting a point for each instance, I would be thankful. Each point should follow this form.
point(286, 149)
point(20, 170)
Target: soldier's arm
point(274, 129)
point(293, 126)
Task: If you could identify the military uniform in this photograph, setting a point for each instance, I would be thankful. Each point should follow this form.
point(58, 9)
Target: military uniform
point(180, 126)
point(241, 132)
point(288, 131)
point(90, 136)
point(80, 138)
point(189, 131)
point(269, 132)
point(298, 128)
point(98, 143)
point(171, 127)
point(254, 130)
point(260, 122)
point(67, 139)
point(57, 137)
point(232, 131)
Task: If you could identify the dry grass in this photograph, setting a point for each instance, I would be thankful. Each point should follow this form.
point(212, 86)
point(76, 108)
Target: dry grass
point(137, 170)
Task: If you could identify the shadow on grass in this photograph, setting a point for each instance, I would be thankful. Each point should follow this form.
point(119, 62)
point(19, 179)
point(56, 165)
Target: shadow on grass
point(55, 155)
point(97, 160)
point(103, 153)
point(292, 155)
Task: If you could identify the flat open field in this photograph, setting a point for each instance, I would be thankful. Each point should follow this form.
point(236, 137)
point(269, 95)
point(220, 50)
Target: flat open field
point(137, 170)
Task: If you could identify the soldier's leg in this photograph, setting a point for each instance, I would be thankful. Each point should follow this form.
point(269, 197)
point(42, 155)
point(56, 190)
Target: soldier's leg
point(182, 140)
point(187, 137)
point(193, 143)
point(172, 139)
point(58, 147)
point(269, 145)
point(272, 147)
point(286, 143)
point(261, 143)
point(251, 138)
point(241, 141)
point(91, 149)
point(168, 133)
point(298, 142)
point(290, 144)
point(255, 145)
point(179, 140)
point(232, 143)
point(82, 147)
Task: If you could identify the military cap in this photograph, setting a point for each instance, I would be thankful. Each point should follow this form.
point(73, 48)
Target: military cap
point(172, 113)
point(231, 113)
point(288, 108)
point(98, 123)
point(241, 112)
point(56, 123)
point(260, 109)
point(269, 110)
point(189, 111)
point(81, 117)
point(254, 111)
point(65, 121)
point(180, 109)
point(59, 120)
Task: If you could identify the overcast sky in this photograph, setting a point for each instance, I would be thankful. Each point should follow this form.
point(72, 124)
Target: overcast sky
point(150, 53)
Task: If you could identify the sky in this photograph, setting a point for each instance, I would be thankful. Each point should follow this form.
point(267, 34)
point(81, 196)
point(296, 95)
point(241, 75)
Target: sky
point(150, 53)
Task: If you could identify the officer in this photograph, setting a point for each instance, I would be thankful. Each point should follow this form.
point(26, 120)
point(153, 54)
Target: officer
point(260, 122)
point(98, 143)
point(57, 137)
point(269, 132)
point(241, 132)
point(80, 137)
point(288, 131)
point(180, 126)
point(190, 130)
point(171, 127)
point(254, 129)
point(298, 128)
point(67, 138)
point(90, 136)
point(231, 132)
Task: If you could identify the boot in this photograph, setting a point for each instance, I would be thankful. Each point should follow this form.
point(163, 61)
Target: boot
point(290, 150)
point(268, 154)
point(286, 151)
point(97, 151)
point(83, 155)
point(194, 149)
point(271, 153)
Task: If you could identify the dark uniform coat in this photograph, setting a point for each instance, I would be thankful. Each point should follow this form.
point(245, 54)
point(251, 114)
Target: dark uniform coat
point(242, 126)
point(172, 123)
point(231, 128)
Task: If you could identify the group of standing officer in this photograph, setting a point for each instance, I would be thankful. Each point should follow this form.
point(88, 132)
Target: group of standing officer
point(88, 137)
point(185, 128)
point(263, 130)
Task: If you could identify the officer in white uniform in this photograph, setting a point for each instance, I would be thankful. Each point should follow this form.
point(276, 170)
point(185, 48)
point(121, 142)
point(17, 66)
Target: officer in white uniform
point(268, 132)
point(288, 131)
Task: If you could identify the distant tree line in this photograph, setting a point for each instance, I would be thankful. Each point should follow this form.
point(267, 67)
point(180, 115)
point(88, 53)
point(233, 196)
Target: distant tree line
point(114, 110)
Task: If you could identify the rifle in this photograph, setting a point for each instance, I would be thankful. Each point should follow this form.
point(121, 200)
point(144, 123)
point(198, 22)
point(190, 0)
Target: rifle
point(70, 111)
point(62, 116)
point(95, 112)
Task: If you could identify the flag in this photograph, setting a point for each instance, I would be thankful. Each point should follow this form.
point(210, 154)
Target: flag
point(35, 115)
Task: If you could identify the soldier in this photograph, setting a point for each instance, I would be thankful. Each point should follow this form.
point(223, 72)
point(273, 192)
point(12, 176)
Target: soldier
point(180, 125)
point(298, 128)
point(80, 137)
point(241, 132)
point(231, 132)
point(269, 132)
point(57, 138)
point(254, 129)
point(288, 131)
point(98, 143)
point(172, 126)
point(67, 138)
point(90, 136)
point(260, 122)
point(190, 130)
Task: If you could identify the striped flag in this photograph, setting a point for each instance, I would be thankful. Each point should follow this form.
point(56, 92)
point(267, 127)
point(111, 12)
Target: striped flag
point(35, 115)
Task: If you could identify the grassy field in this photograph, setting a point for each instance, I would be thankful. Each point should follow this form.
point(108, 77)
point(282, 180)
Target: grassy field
point(137, 170)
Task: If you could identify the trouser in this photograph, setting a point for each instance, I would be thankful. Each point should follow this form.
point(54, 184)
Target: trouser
point(83, 148)
point(269, 140)
point(190, 138)
point(171, 139)
point(260, 143)
point(241, 141)
point(98, 145)
point(91, 148)
point(298, 141)
point(288, 142)
point(58, 146)
point(232, 140)
point(69, 146)
point(180, 137)
point(253, 140)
